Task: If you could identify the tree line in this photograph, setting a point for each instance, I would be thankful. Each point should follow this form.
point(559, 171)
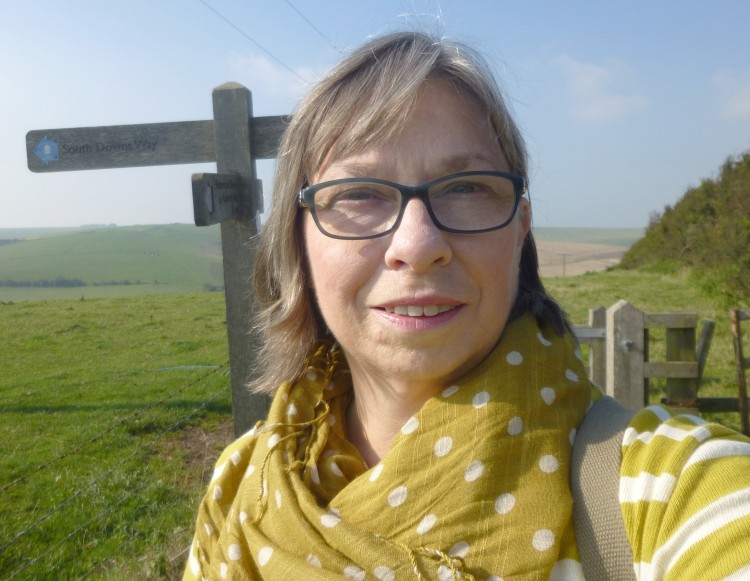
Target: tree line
point(62, 282)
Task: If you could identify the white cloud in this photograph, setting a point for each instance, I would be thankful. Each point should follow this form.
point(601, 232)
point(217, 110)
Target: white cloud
point(595, 90)
point(272, 83)
point(734, 92)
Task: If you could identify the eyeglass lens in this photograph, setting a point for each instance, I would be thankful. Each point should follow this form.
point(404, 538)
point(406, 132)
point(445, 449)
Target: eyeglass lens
point(364, 208)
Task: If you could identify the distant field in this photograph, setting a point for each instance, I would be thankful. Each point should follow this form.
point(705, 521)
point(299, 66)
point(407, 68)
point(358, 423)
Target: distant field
point(160, 259)
point(622, 237)
point(178, 258)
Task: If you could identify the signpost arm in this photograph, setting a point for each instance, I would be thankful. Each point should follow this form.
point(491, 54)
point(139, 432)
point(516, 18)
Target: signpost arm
point(232, 126)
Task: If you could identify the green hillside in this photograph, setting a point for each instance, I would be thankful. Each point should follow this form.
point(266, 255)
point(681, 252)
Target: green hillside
point(707, 231)
point(112, 261)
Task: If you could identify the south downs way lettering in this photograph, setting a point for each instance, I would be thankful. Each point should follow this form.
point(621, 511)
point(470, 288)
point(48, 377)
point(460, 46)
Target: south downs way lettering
point(137, 145)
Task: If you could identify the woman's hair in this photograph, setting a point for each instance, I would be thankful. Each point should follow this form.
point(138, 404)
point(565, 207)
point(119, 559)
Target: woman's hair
point(364, 101)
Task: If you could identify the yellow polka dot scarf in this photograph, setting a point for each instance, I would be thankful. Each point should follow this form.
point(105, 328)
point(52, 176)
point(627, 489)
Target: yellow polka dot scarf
point(474, 487)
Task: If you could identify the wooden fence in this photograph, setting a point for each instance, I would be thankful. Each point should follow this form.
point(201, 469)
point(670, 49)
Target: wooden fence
point(620, 359)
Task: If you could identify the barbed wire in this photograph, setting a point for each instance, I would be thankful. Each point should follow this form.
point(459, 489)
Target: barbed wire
point(173, 559)
point(118, 423)
point(80, 491)
point(109, 509)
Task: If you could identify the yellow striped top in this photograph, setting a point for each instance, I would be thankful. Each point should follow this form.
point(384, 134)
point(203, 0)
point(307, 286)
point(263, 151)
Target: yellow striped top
point(685, 497)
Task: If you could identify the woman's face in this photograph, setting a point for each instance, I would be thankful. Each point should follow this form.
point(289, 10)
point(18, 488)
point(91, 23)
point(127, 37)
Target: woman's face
point(363, 287)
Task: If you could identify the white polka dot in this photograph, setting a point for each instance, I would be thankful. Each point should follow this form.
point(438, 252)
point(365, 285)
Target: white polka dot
point(209, 529)
point(443, 446)
point(549, 464)
point(249, 471)
point(235, 458)
point(459, 550)
point(548, 395)
point(376, 472)
point(572, 436)
point(505, 503)
point(314, 475)
point(291, 410)
point(543, 540)
point(384, 573)
point(543, 340)
point(273, 440)
point(411, 425)
point(515, 426)
point(450, 391)
point(473, 471)
point(223, 567)
point(567, 570)
point(265, 488)
point(578, 355)
point(330, 520)
point(331, 420)
point(330, 386)
point(278, 498)
point(234, 552)
point(354, 572)
point(264, 555)
point(243, 516)
point(481, 399)
point(314, 561)
point(571, 375)
point(494, 578)
point(426, 524)
point(285, 397)
point(514, 358)
point(445, 573)
point(218, 471)
point(397, 497)
point(335, 469)
point(218, 492)
point(311, 374)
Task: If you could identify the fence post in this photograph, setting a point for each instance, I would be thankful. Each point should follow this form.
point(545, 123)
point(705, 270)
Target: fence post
point(597, 349)
point(681, 391)
point(232, 105)
point(624, 349)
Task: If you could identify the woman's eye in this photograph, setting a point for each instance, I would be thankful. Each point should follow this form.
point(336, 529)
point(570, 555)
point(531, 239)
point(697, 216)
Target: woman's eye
point(353, 196)
point(463, 188)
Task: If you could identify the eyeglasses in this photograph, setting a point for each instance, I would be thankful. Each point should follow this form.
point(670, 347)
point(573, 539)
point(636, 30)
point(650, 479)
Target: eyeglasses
point(465, 202)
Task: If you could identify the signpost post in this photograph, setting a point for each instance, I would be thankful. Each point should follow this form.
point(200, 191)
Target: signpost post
point(234, 139)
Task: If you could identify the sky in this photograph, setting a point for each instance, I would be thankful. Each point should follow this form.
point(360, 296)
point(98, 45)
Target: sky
point(624, 105)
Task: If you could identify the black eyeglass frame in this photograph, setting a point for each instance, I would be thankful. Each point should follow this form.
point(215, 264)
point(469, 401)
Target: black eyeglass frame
point(306, 199)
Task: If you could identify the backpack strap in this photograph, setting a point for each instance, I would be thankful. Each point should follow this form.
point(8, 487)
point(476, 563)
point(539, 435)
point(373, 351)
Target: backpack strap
point(595, 483)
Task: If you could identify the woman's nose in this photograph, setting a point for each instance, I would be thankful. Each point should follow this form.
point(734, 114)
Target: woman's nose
point(417, 243)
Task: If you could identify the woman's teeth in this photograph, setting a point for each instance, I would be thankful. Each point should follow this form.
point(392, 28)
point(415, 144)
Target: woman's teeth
point(418, 311)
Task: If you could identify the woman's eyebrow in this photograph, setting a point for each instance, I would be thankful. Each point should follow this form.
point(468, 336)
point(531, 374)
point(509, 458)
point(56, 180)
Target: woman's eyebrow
point(461, 161)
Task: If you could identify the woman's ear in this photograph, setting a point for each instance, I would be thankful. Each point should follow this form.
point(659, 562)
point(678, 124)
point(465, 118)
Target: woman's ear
point(524, 220)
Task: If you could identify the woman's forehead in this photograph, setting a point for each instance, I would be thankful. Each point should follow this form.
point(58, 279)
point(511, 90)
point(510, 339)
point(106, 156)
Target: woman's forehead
point(443, 128)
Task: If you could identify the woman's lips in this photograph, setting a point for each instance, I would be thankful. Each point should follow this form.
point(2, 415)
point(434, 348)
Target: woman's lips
point(419, 310)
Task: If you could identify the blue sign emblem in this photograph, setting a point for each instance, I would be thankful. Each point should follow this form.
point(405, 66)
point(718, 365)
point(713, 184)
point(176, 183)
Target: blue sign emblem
point(46, 150)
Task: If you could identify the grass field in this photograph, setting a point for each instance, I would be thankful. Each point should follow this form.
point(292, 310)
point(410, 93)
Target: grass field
point(114, 409)
point(102, 393)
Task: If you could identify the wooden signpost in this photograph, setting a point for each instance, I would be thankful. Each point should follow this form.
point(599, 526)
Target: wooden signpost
point(233, 139)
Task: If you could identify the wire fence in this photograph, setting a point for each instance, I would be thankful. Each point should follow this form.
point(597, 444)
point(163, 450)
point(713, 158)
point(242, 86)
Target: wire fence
point(32, 549)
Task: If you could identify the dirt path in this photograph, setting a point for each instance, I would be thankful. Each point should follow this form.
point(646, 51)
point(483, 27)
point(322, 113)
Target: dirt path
point(576, 258)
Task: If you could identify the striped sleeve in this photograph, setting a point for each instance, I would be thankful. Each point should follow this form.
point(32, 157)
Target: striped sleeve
point(685, 497)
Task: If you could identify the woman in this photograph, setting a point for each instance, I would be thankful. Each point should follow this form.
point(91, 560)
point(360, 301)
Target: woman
point(427, 392)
